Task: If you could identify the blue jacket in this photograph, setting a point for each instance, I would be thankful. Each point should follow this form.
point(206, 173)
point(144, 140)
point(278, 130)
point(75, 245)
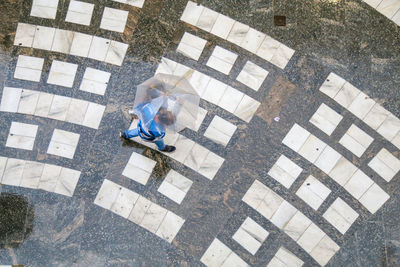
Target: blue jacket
point(155, 131)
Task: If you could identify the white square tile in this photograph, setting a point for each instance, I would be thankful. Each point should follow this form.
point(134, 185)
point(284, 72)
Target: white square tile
point(114, 19)
point(196, 157)
point(124, 203)
point(224, 55)
point(285, 171)
point(116, 53)
point(282, 56)
point(191, 45)
point(342, 171)
point(326, 119)
point(43, 37)
point(252, 40)
point(3, 163)
point(211, 164)
point(43, 104)
point(28, 101)
point(256, 230)
point(396, 140)
point(311, 237)
point(136, 174)
point(22, 135)
point(62, 41)
point(358, 184)
point(252, 75)
point(49, 178)
point(170, 226)
point(153, 218)
point(35, 63)
point(275, 262)
point(27, 74)
point(201, 114)
point(179, 181)
point(312, 148)
point(207, 19)
point(142, 162)
point(361, 105)
point(246, 108)
point(99, 48)
point(217, 136)
point(63, 143)
point(222, 26)
point(332, 85)
point(139, 210)
point(79, 12)
point(136, 3)
point(214, 91)
point(283, 214)
point(172, 192)
point(336, 215)
point(183, 147)
point(376, 116)
point(325, 250)
point(219, 65)
point(107, 194)
point(62, 73)
point(76, 111)
point(24, 34)
point(44, 8)
point(192, 13)
point(388, 7)
point(220, 130)
point(234, 260)
point(230, 99)
point(93, 115)
point(390, 127)
point(289, 166)
point(199, 82)
point(238, 33)
point(296, 137)
point(13, 172)
point(59, 107)
point(270, 204)
point(255, 194)
point(297, 225)
point(215, 254)
point(247, 241)
point(287, 258)
point(67, 182)
point(374, 198)
point(347, 95)
point(328, 159)
point(313, 192)
point(95, 81)
point(396, 18)
point(81, 44)
point(386, 163)
point(356, 140)
point(373, 3)
point(10, 99)
point(166, 66)
point(268, 48)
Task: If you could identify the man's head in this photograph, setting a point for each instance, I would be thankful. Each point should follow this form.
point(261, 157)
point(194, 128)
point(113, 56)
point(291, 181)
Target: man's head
point(165, 117)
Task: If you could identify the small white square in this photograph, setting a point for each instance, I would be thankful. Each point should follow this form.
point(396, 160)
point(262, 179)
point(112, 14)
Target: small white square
point(313, 192)
point(285, 258)
point(252, 40)
point(191, 46)
point(192, 13)
point(222, 26)
point(246, 108)
point(10, 99)
point(153, 217)
point(297, 225)
point(76, 111)
point(22, 135)
point(358, 184)
point(116, 53)
point(172, 192)
point(324, 250)
point(211, 164)
point(139, 210)
point(44, 8)
point(136, 174)
point(332, 85)
point(282, 56)
point(24, 35)
point(238, 33)
point(95, 81)
point(63, 143)
point(376, 116)
point(207, 19)
point(43, 37)
point(268, 48)
point(59, 107)
point(311, 237)
point(142, 162)
point(107, 194)
point(62, 41)
point(198, 80)
point(114, 19)
point(81, 44)
point(374, 198)
point(62, 73)
point(43, 104)
point(93, 115)
point(170, 226)
point(214, 91)
point(196, 157)
point(328, 159)
point(124, 202)
point(28, 102)
point(356, 140)
point(215, 254)
point(222, 60)
point(252, 75)
point(390, 127)
point(13, 172)
point(342, 171)
point(283, 214)
point(361, 105)
point(67, 182)
point(340, 215)
point(326, 119)
point(312, 148)
point(231, 99)
point(98, 48)
point(220, 130)
point(49, 178)
point(183, 147)
point(250, 235)
point(388, 8)
point(296, 137)
point(385, 164)
point(79, 12)
point(285, 171)
point(255, 194)
point(347, 95)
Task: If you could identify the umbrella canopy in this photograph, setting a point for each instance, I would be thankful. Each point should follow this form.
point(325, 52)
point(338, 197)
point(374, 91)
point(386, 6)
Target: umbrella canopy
point(168, 100)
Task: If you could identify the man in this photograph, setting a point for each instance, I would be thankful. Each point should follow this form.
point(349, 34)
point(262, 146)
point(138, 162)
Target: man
point(152, 126)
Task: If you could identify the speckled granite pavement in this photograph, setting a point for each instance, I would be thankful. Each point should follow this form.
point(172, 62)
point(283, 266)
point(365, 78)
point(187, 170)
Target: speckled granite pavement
point(345, 37)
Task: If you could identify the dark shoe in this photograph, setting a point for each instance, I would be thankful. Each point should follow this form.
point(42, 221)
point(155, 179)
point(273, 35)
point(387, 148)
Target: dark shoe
point(169, 149)
point(123, 135)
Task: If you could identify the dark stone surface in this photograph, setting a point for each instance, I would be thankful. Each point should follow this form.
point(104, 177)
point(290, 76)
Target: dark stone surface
point(346, 37)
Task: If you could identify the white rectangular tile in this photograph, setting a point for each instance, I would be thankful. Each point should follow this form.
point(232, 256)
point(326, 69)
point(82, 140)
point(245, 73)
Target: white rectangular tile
point(116, 53)
point(3, 163)
point(288, 258)
point(328, 159)
point(281, 176)
point(252, 75)
point(238, 33)
point(247, 108)
point(385, 164)
point(207, 19)
point(21, 136)
point(312, 148)
point(23, 129)
point(43, 104)
point(230, 99)
point(124, 202)
point(172, 192)
point(284, 213)
point(43, 37)
point(98, 48)
point(142, 162)
point(222, 26)
point(139, 210)
point(28, 101)
point(234, 260)
point(346, 95)
point(376, 116)
point(388, 7)
point(325, 250)
point(63, 143)
point(29, 62)
point(214, 91)
point(255, 194)
point(47, 12)
point(282, 56)
point(374, 198)
point(81, 44)
point(135, 173)
point(217, 136)
point(24, 34)
point(13, 172)
point(49, 178)
point(31, 175)
point(67, 182)
point(361, 105)
point(211, 164)
point(340, 215)
point(215, 254)
point(270, 204)
point(311, 237)
point(76, 111)
point(247, 241)
point(62, 41)
point(297, 225)
point(268, 48)
point(62, 73)
point(183, 146)
point(10, 99)
point(79, 12)
point(199, 81)
point(153, 217)
point(170, 226)
point(289, 166)
point(93, 115)
point(342, 171)
point(326, 119)
point(59, 107)
point(114, 19)
point(191, 45)
point(313, 192)
point(192, 13)
point(296, 137)
point(219, 65)
point(196, 157)
point(107, 194)
point(252, 40)
point(358, 184)
point(332, 85)
point(353, 139)
point(390, 127)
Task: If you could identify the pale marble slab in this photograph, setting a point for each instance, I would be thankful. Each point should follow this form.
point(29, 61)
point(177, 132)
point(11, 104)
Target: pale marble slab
point(361, 105)
point(76, 111)
point(347, 95)
point(220, 130)
point(191, 46)
point(325, 250)
point(311, 237)
point(374, 198)
point(252, 75)
point(116, 53)
point(385, 164)
point(207, 19)
point(246, 108)
point(287, 258)
point(28, 101)
point(285, 171)
point(183, 146)
point(196, 157)
point(136, 174)
point(358, 184)
point(390, 127)
point(268, 48)
point(219, 65)
point(296, 137)
point(238, 33)
point(192, 13)
point(23, 129)
point(13, 172)
point(27, 74)
point(356, 140)
point(230, 99)
point(255, 194)
point(136, 3)
point(31, 175)
point(22, 135)
point(326, 119)
point(142, 162)
point(63, 143)
point(62, 41)
point(376, 116)
point(252, 41)
point(283, 214)
point(250, 235)
point(107, 194)
point(10, 99)
point(282, 56)
point(388, 7)
point(328, 159)
point(214, 91)
point(59, 107)
point(67, 182)
point(342, 171)
point(139, 210)
point(43, 37)
point(93, 115)
point(373, 3)
point(24, 35)
point(79, 12)
point(98, 48)
point(313, 192)
point(199, 81)
point(44, 8)
point(62, 73)
point(172, 192)
point(43, 104)
point(114, 19)
point(234, 260)
point(49, 178)
point(124, 202)
point(340, 215)
point(211, 164)
point(222, 26)
point(81, 44)
point(170, 226)
point(332, 85)
point(3, 163)
point(153, 217)
point(312, 148)
point(297, 225)
point(216, 254)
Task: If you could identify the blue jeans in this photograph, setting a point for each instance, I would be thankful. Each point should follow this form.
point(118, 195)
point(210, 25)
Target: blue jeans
point(135, 132)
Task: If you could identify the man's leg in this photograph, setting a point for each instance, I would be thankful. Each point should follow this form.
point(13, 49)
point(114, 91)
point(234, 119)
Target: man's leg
point(160, 144)
point(130, 133)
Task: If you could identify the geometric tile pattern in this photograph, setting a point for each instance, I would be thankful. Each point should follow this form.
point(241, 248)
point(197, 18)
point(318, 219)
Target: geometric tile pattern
point(222, 60)
point(139, 210)
point(51, 106)
point(340, 169)
point(63, 143)
point(29, 68)
point(22, 135)
point(95, 81)
point(191, 46)
point(187, 152)
point(220, 130)
point(356, 140)
point(285, 258)
point(250, 235)
point(238, 33)
point(340, 215)
point(79, 12)
point(285, 171)
point(313, 192)
point(175, 186)
point(36, 175)
point(139, 168)
point(214, 91)
point(114, 19)
point(363, 107)
point(252, 75)
point(326, 119)
point(135, 3)
point(388, 8)
point(62, 73)
point(44, 8)
point(70, 42)
point(218, 254)
point(294, 223)
point(385, 164)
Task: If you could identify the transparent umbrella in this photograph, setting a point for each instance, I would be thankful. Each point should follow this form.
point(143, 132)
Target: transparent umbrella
point(171, 98)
